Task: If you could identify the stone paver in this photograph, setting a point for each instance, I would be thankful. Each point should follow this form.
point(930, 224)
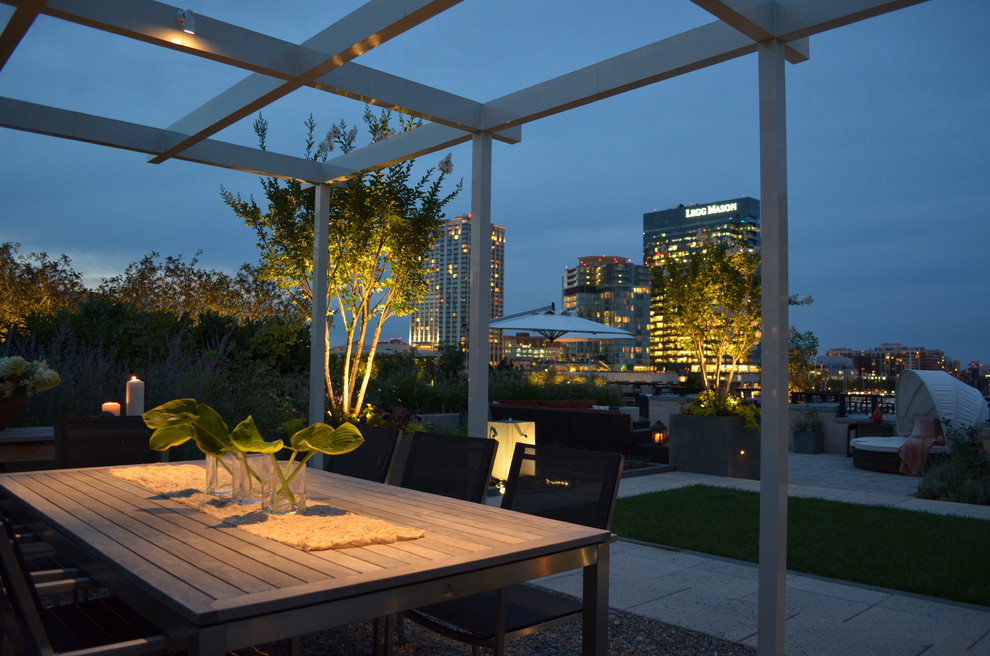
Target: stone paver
point(824, 617)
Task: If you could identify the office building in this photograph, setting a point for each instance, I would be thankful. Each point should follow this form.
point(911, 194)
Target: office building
point(441, 316)
point(675, 233)
point(616, 292)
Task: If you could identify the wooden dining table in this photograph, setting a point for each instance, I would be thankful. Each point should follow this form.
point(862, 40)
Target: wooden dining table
point(216, 588)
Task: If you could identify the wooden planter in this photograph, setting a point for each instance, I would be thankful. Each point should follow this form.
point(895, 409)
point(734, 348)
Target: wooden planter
point(719, 446)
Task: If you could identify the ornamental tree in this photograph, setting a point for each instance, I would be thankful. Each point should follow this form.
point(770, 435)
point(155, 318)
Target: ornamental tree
point(35, 284)
point(180, 287)
point(712, 300)
point(382, 224)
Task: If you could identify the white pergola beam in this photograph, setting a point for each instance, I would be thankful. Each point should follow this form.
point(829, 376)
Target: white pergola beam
point(273, 60)
point(423, 140)
point(797, 19)
point(385, 90)
point(363, 29)
point(77, 126)
point(756, 19)
point(18, 25)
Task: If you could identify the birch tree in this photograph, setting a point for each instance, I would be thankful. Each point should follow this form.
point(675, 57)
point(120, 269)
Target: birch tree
point(381, 226)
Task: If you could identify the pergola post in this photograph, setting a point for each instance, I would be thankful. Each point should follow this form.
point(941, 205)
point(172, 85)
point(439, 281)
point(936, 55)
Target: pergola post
point(480, 288)
point(318, 323)
point(773, 437)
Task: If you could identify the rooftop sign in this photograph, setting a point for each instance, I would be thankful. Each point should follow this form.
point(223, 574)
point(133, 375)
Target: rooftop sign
point(691, 212)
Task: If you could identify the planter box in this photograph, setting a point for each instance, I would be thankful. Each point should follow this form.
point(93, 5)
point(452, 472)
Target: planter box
point(719, 446)
point(809, 442)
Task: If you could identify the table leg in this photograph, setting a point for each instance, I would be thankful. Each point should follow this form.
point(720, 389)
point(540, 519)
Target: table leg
point(595, 616)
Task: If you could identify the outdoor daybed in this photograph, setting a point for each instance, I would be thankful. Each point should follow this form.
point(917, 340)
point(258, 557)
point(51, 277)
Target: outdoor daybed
point(921, 395)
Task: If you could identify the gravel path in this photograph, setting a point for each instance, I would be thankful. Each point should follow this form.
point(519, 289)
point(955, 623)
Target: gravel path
point(629, 635)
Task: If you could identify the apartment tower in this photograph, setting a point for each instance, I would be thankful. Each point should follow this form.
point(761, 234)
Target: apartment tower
point(441, 316)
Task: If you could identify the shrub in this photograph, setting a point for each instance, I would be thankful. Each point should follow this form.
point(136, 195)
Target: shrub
point(964, 477)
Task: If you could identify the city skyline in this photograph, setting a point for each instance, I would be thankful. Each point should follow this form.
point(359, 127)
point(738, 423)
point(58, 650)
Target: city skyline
point(889, 154)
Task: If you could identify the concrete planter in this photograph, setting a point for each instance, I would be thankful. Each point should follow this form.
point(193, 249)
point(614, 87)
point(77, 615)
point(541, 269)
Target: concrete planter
point(719, 446)
point(809, 442)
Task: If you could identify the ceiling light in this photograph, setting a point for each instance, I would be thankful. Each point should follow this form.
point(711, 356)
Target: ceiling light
point(186, 20)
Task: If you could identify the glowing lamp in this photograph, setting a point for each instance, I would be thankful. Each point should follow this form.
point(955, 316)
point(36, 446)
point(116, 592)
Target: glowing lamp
point(186, 20)
point(659, 432)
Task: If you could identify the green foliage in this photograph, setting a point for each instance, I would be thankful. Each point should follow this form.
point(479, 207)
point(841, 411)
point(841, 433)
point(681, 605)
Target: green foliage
point(872, 545)
point(381, 226)
point(808, 421)
point(515, 385)
point(710, 404)
point(182, 288)
point(419, 384)
point(181, 420)
point(35, 284)
point(96, 350)
point(712, 300)
point(962, 477)
point(801, 354)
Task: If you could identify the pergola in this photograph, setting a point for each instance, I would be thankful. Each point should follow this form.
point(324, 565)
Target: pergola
point(777, 30)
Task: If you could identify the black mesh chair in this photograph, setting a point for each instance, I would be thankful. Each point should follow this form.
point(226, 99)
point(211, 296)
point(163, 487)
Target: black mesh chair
point(449, 465)
point(371, 460)
point(102, 441)
point(554, 482)
point(93, 627)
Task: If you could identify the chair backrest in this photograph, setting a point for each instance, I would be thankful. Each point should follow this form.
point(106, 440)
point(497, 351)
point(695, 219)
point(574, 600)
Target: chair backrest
point(450, 465)
point(20, 606)
point(572, 485)
point(101, 441)
point(371, 460)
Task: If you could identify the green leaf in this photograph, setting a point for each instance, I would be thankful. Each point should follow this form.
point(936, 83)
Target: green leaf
point(168, 436)
point(333, 442)
point(247, 438)
point(174, 412)
point(212, 434)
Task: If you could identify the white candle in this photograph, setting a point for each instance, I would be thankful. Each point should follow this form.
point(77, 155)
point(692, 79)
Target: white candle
point(135, 396)
point(112, 407)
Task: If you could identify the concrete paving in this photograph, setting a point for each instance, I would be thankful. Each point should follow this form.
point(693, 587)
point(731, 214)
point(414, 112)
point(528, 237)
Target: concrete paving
point(824, 617)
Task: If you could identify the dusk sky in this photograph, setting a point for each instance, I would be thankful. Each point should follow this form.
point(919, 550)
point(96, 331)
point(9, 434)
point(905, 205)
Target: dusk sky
point(889, 152)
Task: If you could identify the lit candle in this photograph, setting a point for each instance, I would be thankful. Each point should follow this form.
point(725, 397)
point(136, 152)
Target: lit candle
point(112, 407)
point(135, 396)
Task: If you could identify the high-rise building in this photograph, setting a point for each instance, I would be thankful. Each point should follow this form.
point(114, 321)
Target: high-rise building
point(441, 316)
point(616, 292)
point(675, 233)
point(889, 359)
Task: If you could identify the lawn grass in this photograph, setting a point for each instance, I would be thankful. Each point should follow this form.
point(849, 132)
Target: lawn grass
point(928, 554)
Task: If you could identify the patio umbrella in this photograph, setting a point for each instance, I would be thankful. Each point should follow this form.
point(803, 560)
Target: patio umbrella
point(562, 326)
point(559, 325)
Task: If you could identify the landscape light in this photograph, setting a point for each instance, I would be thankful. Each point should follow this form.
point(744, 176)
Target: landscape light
point(186, 20)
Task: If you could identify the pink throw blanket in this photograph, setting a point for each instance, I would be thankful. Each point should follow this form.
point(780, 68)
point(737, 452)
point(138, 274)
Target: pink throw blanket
point(914, 451)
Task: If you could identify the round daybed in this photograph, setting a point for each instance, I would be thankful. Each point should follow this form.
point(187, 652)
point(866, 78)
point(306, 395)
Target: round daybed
point(881, 453)
point(920, 395)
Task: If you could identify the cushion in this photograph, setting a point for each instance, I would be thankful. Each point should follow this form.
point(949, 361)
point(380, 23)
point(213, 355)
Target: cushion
point(931, 430)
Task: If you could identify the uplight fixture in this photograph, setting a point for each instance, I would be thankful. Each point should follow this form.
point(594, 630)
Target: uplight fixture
point(186, 20)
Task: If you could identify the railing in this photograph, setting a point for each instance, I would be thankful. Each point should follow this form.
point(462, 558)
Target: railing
point(849, 404)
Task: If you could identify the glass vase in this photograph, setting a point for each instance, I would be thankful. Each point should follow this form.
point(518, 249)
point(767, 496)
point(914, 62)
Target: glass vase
point(220, 474)
point(284, 487)
point(248, 473)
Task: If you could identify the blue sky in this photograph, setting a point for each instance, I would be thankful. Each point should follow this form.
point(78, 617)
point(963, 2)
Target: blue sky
point(888, 134)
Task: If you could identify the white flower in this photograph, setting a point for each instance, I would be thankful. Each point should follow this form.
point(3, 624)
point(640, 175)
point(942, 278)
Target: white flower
point(22, 379)
point(446, 165)
point(382, 135)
